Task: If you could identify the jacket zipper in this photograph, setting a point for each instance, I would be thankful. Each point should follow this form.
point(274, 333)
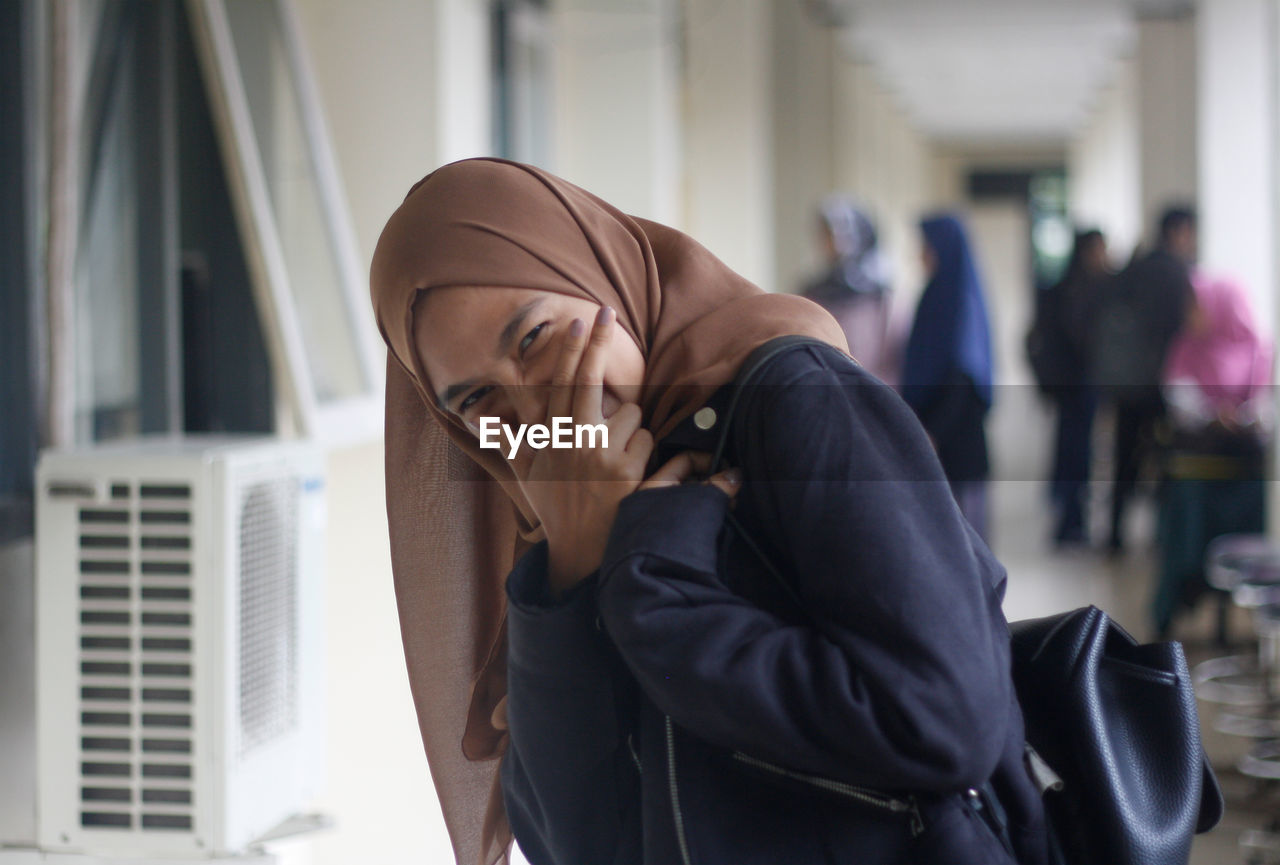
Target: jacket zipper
point(860, 794)
point(635, 758)
point(675, 793)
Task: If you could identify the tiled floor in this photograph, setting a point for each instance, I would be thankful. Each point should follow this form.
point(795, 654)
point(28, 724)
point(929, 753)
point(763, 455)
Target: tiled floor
point(1043, 581)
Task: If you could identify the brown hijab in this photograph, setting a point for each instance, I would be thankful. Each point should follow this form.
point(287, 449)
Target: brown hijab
point(455, 533)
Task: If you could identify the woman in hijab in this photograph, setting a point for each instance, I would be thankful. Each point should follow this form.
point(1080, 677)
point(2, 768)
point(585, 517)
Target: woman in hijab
point(946, 375)
point(855, 286)
point(647, 689)
point(1217, 381)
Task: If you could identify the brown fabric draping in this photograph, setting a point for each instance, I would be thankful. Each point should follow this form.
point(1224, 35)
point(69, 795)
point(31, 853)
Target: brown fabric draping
point(458, 519)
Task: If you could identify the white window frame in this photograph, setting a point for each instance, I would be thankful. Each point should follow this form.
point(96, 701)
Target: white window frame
point(338, 422)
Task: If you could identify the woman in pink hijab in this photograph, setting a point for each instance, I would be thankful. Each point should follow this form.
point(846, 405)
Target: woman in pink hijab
point(1219, 367)
point(1217, 387)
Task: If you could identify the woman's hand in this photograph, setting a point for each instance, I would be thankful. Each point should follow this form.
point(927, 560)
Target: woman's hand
point(685, 466)
point(575, 491)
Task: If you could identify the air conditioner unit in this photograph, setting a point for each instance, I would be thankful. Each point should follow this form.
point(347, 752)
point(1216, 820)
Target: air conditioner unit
point(178, 643)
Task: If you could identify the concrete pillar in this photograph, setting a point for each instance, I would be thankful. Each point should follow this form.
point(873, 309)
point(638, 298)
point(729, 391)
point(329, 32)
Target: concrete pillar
point(804, 138)
point(860, 129)
point(1236, 46)
point(463, 63)
point(616, 102)
point(728, 133)
point(1166, 57)
point(1236, 41)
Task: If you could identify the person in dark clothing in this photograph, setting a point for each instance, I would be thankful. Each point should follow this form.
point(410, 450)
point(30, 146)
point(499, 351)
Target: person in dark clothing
point(855, 286)
point(651, 691)
point(947, 373)
point(1064, 325)
point(1137, 322)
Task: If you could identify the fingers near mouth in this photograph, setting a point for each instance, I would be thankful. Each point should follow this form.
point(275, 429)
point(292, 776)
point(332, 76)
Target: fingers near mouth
point(608, 404)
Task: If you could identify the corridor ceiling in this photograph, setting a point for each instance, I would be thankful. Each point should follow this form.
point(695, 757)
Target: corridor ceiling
point(994, 71)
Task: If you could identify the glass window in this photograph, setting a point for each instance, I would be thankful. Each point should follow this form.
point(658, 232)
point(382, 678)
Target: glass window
point(1051, 232)
point(164, 334)
point(108, 399)
point(293, 217)
point(293, 186)
point(21, 264)
point(521, 40)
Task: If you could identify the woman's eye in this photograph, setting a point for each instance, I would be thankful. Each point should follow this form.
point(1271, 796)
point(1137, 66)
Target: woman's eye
point(530, 337)
point(472, 398)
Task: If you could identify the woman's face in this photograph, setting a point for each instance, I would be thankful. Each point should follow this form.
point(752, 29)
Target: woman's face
point(928, 259)
point(1095, 256)
point(492, 352)
point(827, 242)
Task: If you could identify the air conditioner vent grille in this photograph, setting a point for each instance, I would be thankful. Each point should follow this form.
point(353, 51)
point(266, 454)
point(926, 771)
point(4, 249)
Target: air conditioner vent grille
point(268, 612)
point(115, 542)
point(179, 615)
point(135, 638)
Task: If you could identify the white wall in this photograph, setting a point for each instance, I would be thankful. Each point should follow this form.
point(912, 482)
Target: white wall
point(616, 102)
point(1018, 427)
point(728, 133)
point(462, 115)
point(1103, 170)
point(780, 113)
point(881, 159)
point(1237, 110)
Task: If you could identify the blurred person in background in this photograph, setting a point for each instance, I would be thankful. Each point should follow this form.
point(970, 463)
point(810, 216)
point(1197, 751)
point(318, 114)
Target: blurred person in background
point(855, 286)
point(947, 370)
point(1059, 346)
point(1217, 392)
point(1137, 319)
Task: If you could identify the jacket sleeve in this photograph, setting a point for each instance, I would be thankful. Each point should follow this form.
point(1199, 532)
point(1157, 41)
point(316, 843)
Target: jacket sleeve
point(900, 680)
point(568, 781)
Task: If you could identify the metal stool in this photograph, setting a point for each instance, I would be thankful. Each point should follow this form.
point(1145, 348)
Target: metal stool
point(1262, 762)
point(1260, 845)
point(1261, 719)
point(1227, 559)
point(1247, 566)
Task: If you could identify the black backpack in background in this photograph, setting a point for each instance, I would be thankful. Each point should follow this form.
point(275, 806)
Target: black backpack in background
point(1127, 358)
point(1136, 317)
point(1046, 347)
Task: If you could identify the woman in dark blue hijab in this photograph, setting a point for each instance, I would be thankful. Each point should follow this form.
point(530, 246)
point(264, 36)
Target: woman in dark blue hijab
point(946, 376)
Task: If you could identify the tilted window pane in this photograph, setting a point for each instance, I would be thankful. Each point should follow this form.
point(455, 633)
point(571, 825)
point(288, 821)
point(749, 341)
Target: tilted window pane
point(298, 207)
point(108, 386)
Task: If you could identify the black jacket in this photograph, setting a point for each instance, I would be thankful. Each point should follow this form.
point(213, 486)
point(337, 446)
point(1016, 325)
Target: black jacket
point(678, 706)
point(1137, 318)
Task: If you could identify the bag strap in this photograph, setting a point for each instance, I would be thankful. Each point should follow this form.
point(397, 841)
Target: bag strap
point(747, 373)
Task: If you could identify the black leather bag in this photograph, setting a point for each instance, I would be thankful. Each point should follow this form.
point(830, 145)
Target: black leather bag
point(1114, 719)
point(1117, 721)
